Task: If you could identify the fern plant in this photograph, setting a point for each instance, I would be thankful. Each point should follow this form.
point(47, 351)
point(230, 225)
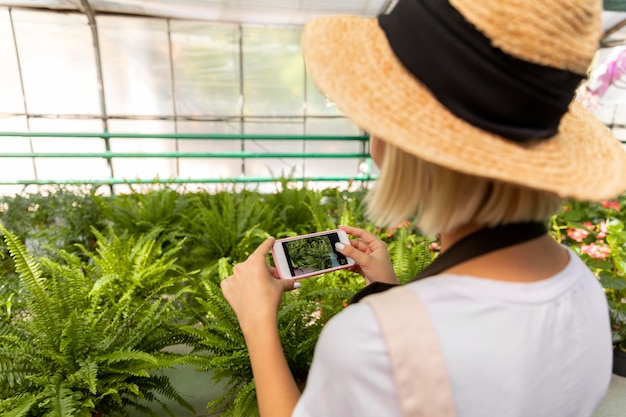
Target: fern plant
point(74, 352)
point(134, 267)
point(410, 253)
point(139, 212)
point(298, 210)
point(227, 225)
point(58, 219)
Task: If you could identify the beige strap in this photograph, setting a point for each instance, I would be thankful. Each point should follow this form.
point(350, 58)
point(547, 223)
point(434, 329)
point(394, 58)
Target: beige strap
point(417, 362)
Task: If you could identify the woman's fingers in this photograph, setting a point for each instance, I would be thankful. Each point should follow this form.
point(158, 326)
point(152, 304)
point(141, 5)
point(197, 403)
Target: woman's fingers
point(360, 257)
point(290, 284)
point(360, 245)
point(370, 254)
point(360, 233)
point(264, 248)
point(273, 271)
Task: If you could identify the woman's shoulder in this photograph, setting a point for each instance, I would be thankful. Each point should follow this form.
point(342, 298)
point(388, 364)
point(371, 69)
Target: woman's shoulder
point(574, 280)
point(356, 323)
point(447, 298)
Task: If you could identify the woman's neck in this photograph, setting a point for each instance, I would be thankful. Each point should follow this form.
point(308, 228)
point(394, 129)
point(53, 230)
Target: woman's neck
point(533, 260)
point(450, 238)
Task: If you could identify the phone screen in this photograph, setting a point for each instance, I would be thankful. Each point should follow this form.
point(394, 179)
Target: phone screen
point(313, 254)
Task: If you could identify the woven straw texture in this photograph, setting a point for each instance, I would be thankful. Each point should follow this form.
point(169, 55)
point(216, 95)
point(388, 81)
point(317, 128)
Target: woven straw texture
point(558, 33)
point(350, 60)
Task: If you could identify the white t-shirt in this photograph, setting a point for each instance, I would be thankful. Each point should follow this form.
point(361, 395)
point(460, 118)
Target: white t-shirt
point(541, 349)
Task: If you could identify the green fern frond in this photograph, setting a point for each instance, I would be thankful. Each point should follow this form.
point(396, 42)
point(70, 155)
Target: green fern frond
point(155, 316)
point(424, 256)
point(14, 374)
point(126, 356)
point(223, 402)
point(224, 268)
point(410, 254)
point(67, 284)
point(248, 242)
point(199, 361)
point(112, 387)
point(62, 401)
point(402, 261)
point(321, 220)
point(235, 366)
point(163, 387)
point(74, 338)
point(19, 405)
point(211, 300)
point(5, 328)
point(101, 283)
point(135, 324)
point(245, 403)
point(29, 270)
point(218, 338)
point(88, 373)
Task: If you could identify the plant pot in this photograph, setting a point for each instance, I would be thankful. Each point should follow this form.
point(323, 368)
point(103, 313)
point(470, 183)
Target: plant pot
point(619, 361)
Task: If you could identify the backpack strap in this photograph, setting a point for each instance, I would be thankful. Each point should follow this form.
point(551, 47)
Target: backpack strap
point(417, 363)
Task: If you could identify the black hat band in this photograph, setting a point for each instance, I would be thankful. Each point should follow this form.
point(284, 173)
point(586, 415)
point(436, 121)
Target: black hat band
point(474, 80)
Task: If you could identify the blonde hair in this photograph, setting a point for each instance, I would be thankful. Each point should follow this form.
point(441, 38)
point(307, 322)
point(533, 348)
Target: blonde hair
point(442, 200)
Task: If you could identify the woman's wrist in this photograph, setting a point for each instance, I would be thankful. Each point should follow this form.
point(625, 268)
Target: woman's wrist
point(258, 324)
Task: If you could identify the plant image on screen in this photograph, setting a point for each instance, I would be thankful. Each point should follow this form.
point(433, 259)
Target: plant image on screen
point(312, 254)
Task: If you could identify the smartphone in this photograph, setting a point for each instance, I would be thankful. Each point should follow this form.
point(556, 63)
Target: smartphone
point(308, 255)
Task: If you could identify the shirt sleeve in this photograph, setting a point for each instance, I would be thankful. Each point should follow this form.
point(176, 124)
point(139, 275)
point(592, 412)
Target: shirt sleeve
point(350, 374)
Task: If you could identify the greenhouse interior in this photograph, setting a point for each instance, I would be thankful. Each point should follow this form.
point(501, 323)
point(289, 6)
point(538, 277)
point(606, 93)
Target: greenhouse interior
point(149, 146)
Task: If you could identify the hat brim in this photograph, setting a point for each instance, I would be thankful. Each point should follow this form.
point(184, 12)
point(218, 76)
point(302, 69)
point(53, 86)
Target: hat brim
point(350, 60)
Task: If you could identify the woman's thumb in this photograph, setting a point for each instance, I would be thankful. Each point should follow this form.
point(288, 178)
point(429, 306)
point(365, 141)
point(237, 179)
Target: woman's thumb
point(290, 284)
point(350, 252)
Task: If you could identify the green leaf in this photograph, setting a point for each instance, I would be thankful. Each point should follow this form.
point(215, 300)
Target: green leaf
point(598, 263)
point(611, 282)
point(88, 373)
point(573, 215)
point(63, 402)
point(126, 356)
point(20, 405)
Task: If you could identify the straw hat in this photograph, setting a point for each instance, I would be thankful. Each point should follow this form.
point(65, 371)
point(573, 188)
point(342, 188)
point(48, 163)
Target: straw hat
point(485, 88)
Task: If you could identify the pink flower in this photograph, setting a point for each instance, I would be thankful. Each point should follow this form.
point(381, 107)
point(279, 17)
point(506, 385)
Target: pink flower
point(613, 204)
point(596, 251)
point(603, 230)
point(577, 234)
point(433, 246)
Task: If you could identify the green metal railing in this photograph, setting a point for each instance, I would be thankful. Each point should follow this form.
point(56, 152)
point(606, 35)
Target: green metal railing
point(65, 135)
point(109, 155)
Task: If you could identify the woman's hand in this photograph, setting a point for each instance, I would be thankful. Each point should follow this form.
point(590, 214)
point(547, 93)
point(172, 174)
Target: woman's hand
point(371, 256)
point(254, 290)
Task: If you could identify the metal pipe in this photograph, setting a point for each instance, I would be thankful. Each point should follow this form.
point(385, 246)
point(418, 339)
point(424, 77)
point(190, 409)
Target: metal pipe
point(173, 88)
point(113, 181)
point(109, 155)
point(23, 90)
point(91, 18)
point(183, 136)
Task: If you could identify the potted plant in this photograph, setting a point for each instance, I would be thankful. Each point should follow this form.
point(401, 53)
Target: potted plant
point(75, 351)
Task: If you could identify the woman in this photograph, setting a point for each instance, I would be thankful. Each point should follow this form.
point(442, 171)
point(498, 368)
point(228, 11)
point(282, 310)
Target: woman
point(469, 106)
